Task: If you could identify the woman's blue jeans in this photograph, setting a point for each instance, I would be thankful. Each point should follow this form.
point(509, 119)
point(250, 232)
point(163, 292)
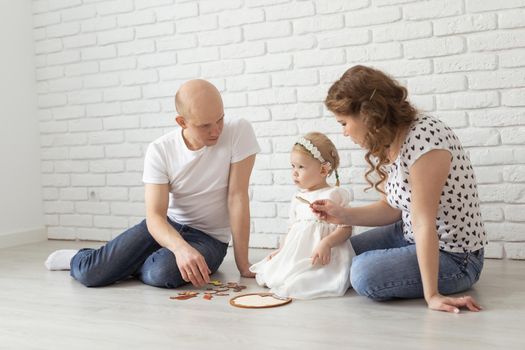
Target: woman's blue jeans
point(136, 253)
point(386, 267)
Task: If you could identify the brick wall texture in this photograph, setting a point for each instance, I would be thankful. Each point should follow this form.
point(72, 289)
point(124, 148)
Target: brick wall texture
point(107, 72)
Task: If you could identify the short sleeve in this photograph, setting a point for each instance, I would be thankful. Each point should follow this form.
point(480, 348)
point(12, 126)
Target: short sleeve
point(155, 167)
point(425, 136)
point(244, 142)
point(340, 196)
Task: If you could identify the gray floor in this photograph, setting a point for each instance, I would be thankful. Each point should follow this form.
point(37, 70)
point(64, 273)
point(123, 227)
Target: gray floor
point(40, 309)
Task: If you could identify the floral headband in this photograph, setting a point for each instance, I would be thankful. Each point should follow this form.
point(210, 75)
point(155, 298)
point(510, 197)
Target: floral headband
point(314, 151)
point(310, 147)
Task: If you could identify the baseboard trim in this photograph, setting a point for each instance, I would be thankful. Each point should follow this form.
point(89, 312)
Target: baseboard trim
point(22, 237)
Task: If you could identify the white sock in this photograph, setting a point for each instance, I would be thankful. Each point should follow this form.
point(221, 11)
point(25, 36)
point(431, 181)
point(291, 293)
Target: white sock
point(60, 259)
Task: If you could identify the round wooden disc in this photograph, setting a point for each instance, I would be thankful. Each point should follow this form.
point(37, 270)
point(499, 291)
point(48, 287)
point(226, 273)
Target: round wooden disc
point(258, 300)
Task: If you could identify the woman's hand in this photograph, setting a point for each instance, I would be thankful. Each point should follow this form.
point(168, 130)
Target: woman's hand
point(452, 304)
point(329, 211)
point(322, 253)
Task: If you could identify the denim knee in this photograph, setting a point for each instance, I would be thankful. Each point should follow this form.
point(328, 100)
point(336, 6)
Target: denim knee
point(90, 278)
point(162, 276)
point(363, 278)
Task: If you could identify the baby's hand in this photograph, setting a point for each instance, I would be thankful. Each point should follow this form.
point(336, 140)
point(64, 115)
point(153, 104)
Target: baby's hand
point(321, 254)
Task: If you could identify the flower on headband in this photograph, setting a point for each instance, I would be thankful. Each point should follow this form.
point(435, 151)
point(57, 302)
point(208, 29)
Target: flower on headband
point(310, 147)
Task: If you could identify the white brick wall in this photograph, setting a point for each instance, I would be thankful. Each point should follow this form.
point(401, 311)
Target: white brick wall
point(107, 72)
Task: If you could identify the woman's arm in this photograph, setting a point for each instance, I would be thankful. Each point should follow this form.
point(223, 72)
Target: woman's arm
point(379, 213)
point(427, 177)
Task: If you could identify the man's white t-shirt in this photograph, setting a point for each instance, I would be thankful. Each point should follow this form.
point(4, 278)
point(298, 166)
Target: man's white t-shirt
point(199, 179)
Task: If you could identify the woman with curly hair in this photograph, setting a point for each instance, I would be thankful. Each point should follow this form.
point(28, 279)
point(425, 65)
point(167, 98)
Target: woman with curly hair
point(429, 235)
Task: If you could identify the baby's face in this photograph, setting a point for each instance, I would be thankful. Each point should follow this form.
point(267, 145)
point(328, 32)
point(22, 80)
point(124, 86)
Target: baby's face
point(307, 172)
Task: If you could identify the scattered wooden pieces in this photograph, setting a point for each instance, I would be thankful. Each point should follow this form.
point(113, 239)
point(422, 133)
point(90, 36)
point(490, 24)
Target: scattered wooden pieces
point(183, 297)
point(218, 289)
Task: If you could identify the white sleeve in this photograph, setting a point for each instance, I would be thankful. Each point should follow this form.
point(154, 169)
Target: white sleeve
point(340, 196)
point(155, 167)
point(244, 141)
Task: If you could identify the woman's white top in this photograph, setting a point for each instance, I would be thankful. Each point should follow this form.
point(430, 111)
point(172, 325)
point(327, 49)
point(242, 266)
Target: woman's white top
point(459, 224)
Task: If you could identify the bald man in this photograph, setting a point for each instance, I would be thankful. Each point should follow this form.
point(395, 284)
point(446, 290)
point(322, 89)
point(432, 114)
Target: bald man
point(196, 194)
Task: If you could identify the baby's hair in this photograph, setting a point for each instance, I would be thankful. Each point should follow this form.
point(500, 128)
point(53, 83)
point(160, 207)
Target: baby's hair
point(327, 149)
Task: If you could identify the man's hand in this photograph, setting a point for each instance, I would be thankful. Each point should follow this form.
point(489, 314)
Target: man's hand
point(451, 304)
point(322, 253)
point(192, 265)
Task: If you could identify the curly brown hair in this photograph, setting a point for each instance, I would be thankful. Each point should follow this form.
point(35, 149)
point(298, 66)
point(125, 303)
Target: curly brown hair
point(381, 102)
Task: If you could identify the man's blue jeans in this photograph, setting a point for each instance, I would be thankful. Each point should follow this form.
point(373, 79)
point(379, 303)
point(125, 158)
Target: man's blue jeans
point(385, 266)
point(136, 253)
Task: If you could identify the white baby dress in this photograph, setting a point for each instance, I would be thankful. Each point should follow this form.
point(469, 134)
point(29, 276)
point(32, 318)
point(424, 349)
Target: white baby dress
point(290, 273)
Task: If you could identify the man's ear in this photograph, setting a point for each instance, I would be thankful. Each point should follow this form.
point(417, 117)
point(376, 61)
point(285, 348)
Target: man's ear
point(181, 121)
